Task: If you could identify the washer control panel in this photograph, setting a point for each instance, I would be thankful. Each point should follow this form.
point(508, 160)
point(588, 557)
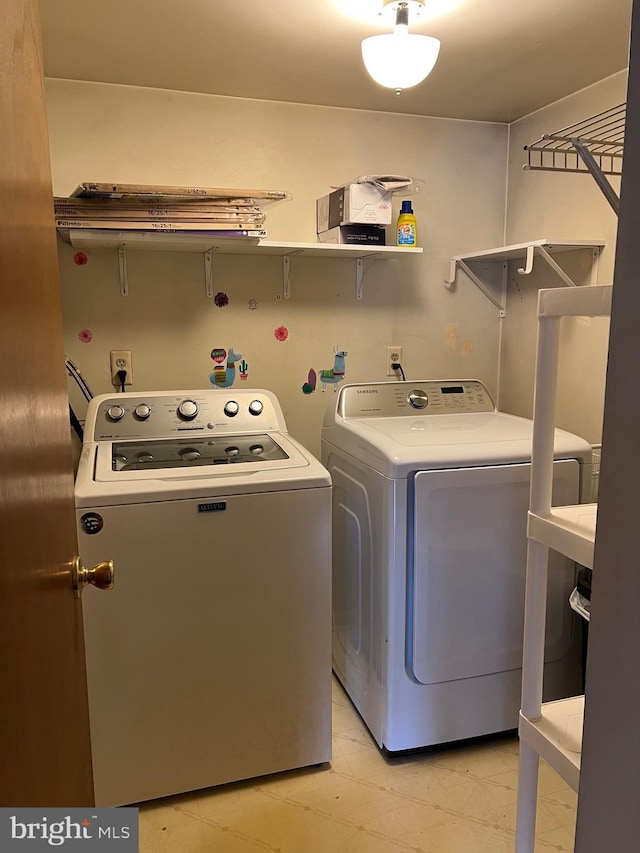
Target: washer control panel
point(163, 414)
point(427, 397)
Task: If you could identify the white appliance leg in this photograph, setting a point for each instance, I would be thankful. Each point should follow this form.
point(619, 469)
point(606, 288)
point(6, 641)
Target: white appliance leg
point(527, 799)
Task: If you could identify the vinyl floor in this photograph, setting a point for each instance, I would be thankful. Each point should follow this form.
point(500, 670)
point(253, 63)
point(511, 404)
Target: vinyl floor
point(455, 800)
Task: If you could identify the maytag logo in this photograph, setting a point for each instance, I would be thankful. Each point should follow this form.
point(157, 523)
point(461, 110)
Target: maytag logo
point(216, 506)
point(41, 829)
point(367, 391)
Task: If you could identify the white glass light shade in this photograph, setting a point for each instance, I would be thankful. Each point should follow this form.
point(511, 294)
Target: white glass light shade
point(399, 61)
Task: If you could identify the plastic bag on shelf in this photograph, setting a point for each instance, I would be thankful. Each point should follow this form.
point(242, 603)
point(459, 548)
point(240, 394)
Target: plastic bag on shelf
point(580, 598)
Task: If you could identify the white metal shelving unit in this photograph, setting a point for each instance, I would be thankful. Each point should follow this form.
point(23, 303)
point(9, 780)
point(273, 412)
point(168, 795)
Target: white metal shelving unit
point(552, 730)
point(487, 268)
point(89, 238)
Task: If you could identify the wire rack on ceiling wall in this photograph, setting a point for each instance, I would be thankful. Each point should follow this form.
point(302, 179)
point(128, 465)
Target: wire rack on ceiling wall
point(594, 145)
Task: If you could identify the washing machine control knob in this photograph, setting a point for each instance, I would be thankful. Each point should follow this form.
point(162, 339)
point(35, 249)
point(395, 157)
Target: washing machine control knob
point(418, 399)
point(188, 409)
point(256, 407)
point(115, 413)
point(231, 409)
point(142, 411)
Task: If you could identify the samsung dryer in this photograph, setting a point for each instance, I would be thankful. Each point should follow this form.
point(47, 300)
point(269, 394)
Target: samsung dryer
point(210, 659)
point(430, 500)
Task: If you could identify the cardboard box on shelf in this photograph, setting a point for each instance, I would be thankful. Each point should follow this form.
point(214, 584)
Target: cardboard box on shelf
point(355, 235)
point(353, 204)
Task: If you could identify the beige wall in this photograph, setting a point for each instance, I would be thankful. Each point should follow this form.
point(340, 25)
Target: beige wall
point(558, 206)
point(116, 133)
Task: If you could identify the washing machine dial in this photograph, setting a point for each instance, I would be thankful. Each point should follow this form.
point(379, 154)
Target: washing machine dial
point(231, 409)
point(189, 454)
point(188, 409)
point(142, 411)
point(256, 407)
point(418, 399)
point(115, 413)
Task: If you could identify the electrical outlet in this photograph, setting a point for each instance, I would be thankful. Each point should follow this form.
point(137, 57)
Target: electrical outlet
point(121, 360)
point(394, 356)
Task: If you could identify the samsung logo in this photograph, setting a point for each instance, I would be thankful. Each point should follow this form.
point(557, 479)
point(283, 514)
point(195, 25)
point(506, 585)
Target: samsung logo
point(217, 506)
point(367, 391)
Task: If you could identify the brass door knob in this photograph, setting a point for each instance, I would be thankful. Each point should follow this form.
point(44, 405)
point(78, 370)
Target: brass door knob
point(101, 576)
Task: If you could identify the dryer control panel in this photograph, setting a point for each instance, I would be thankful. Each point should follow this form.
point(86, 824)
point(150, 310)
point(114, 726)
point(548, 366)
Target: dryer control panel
point(427, 397)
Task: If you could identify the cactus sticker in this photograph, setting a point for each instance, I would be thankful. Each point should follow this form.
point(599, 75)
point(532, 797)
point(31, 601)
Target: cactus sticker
point(310, 385)
point(243, 369)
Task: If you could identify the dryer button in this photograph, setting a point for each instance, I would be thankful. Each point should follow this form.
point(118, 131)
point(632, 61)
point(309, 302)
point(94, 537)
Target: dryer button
point(418, 399)
point(256, 407)
point(231, 409)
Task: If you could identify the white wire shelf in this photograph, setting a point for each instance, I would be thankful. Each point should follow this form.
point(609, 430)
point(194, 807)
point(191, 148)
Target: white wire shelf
point(594, 146)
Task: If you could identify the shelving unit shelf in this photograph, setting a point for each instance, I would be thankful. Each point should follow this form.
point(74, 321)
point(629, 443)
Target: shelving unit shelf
point(89, 238)
point(552, 730)
point(594, 145)
point(568, 529)
point(475, 264)
point(557, 736)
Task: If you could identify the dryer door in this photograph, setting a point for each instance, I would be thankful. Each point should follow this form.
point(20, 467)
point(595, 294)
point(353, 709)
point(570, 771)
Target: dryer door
point(467, 565)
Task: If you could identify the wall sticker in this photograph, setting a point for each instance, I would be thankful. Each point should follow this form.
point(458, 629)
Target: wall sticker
point(80, 259)
point(85, 335)
point(310, 385)
point(224, 373)
point(335, 374)
point(281, 333)
point(332, 376)
point(221, 300)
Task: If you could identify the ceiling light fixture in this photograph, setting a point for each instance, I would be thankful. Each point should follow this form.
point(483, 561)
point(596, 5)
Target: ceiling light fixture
point(400, 60)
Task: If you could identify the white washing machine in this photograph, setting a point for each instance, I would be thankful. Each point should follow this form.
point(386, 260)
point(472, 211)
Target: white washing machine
point(210, 659)
point(430, 501)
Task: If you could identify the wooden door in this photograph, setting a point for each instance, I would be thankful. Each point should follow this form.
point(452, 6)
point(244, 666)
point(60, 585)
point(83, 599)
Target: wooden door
point(45, 757)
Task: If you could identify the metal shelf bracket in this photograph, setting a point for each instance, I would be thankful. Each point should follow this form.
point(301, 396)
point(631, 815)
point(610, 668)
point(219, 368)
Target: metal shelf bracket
point(479, 283)
point(450, 282)
point(287, 263)
point(528, 267)
point(552, 263)
point(360, 272)
point(122, 269)
point(209, 257)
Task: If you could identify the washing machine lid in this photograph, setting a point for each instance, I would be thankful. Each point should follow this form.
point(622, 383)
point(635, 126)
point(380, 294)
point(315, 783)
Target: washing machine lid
point(211, 457)
point(455, 424)
point(193, 453)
